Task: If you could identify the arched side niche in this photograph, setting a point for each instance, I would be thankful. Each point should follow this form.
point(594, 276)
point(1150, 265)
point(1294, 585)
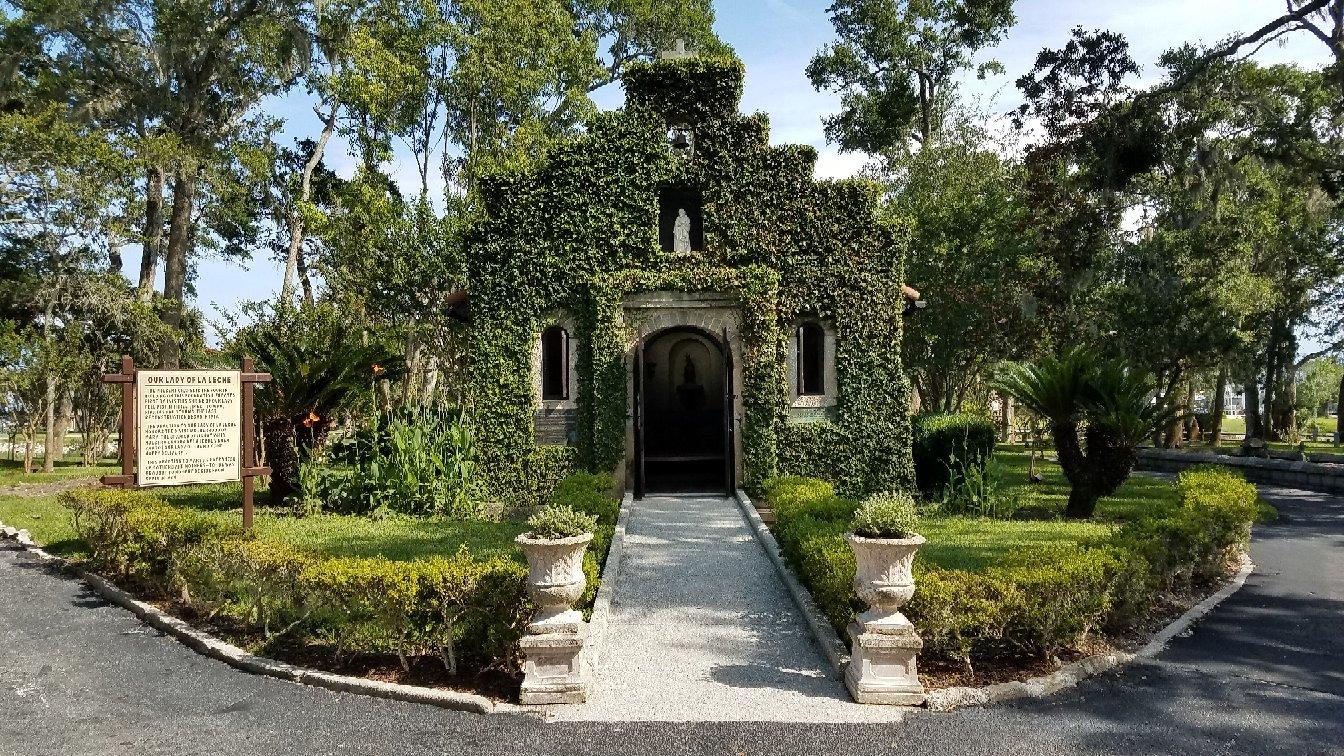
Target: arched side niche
point(555, 376)
point(811, 365)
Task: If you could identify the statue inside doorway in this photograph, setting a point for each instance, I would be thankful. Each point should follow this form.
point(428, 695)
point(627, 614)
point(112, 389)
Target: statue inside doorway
point(690, 393)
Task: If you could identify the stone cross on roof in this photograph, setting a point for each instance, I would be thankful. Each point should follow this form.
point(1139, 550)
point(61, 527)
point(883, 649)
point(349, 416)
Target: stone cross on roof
point(678, 51)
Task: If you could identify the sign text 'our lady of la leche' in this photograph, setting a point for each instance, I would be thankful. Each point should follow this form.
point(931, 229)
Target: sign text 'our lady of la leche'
point(189, 426)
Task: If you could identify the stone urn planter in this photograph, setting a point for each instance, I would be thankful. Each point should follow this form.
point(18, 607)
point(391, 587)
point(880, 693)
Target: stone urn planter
point(555, 669)
point(555, 580)
point(884, 642)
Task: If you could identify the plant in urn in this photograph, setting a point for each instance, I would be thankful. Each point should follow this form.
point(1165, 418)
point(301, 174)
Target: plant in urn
point(554, 668)
point(884, 644)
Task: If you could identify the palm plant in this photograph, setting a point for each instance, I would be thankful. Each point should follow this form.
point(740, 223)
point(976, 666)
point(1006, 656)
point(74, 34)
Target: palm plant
point(1099, 413)
point(317, 359)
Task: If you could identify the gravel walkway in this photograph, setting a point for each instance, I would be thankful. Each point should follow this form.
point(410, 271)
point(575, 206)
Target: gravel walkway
point(702, 629)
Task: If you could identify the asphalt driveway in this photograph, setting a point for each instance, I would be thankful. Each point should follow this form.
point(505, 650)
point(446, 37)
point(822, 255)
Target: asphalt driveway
point(1263, 674)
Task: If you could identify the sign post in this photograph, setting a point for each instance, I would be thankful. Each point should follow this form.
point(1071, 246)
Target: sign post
point(180, 427)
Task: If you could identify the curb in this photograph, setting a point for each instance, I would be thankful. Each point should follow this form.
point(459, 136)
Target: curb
point(611, 569)
point(835, 650)
point(208, 645)
point(1197, 612)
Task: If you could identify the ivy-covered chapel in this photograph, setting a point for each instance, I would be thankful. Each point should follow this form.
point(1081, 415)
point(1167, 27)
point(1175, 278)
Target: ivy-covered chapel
point(671, 299)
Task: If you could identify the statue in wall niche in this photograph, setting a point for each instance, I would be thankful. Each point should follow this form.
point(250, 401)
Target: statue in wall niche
point(681, 232)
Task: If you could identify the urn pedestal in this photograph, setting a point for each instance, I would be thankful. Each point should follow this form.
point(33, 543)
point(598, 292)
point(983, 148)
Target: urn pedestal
point(884, 644)
point(555, 667)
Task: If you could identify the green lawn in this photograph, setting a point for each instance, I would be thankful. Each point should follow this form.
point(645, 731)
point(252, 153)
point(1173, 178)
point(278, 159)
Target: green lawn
point(1326, 425)
point(954, 542)
point(11, 471)
point(401, 538)
point(973, 543)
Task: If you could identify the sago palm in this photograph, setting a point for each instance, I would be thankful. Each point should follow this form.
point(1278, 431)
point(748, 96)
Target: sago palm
point(317, 359)
point(1099, 412)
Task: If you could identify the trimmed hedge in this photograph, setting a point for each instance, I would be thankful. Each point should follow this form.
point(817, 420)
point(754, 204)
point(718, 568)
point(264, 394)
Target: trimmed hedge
point(943, 443)
point(591, 493)
point(1035, 602)
point(459, 608)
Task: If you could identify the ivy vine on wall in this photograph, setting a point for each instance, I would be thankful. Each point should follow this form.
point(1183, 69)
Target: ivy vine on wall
point(579, 232)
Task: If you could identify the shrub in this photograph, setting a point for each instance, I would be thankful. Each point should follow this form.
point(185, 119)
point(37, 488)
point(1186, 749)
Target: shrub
point(886, 515)
point(138, 536)
point(944, 445)
point(980, 490)
point(1035, 601)
point(560, 521)
point(1106, 402)
point(262, 579)
point(1062, 594)
point(319, 357)
point(359, 605)
point(1194, 542)
point(960, 614)
point(790, 490)
point(818, 552)
point(590, 493)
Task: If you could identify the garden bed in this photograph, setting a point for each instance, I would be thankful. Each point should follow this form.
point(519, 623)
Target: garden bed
point(1002, 599)
point(390, 599)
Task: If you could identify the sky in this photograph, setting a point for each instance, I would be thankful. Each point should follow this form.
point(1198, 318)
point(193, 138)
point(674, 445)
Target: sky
point(777, 38)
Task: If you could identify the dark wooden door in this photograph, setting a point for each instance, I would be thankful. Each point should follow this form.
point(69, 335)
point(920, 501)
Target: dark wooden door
point(637, 410)
point(729, 447)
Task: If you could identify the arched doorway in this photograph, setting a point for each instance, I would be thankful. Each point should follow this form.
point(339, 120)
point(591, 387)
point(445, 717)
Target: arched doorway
point(683, 412)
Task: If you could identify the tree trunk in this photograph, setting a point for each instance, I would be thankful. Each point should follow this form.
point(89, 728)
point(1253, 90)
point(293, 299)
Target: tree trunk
point(1169, 437)
point(1267, 401)
point(152, 237)
point(175, 264)
point(1074, 465)
point(1190, 421)
point(1252, 412)
point(29, 438)
point(115, 263)
point(65, 415)
point(1082, 502)
point(282, 455)
point(297, 231)
point(51, 450)
point(1339, 410)
point(1290, 416)
point(304, 280)
point(1216, 416)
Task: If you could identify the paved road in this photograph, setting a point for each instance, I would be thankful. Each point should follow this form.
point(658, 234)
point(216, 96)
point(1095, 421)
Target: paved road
point(1265, 674)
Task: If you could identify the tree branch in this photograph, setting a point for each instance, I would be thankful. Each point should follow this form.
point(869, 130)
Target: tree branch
point(1335, 347)
point(1230, 49)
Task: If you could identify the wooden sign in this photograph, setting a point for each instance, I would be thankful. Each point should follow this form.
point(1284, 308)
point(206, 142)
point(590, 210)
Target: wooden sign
point(189, 426)
point(180, 427)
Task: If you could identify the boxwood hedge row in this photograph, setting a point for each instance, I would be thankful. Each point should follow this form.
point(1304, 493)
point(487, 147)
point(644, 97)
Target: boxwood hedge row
point(1035, 602)
point(467, 611)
